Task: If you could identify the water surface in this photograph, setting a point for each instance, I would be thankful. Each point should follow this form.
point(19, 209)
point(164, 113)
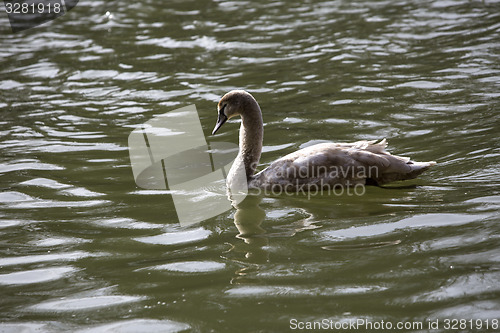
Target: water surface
point(83, 248)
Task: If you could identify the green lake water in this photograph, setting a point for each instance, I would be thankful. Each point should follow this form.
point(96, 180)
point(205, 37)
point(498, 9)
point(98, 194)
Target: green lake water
point(82, 248)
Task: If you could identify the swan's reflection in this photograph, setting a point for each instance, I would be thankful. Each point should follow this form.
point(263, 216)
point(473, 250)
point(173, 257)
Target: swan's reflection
point(248, 219)
point(253, 244)
point(249, 216)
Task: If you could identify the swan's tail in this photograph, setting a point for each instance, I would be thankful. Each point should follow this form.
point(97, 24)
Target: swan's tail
point(393, 167)
point(418, 167)
point(414, 170)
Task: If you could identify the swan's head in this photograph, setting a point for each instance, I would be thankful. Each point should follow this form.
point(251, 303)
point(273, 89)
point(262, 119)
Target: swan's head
point(234, 103)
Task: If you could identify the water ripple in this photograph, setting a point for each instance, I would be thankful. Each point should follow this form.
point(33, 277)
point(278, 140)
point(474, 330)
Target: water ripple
point(191, 267)
point(291, 291)
point(36, 275)
point(30, 259)
point(139, 325)
point(174, 238)
point(85, 303)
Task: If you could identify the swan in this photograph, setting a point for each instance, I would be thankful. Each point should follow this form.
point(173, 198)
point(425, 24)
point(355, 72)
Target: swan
point(323, 165)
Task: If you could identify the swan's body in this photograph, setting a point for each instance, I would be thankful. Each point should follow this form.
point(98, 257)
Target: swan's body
point(318, 166)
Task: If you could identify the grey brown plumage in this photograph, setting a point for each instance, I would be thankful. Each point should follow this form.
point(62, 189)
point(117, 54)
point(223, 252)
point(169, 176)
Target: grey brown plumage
point(320, 165)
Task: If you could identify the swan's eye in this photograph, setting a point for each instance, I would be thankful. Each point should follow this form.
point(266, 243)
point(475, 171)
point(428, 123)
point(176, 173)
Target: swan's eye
point(222, 109)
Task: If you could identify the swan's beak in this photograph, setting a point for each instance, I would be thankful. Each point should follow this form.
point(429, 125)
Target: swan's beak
point(221, 119)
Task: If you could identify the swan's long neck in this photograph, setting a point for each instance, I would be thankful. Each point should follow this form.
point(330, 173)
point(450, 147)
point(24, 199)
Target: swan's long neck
point(251, 135)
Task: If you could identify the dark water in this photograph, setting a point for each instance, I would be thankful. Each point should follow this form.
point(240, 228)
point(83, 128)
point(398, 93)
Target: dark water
point(83, 248)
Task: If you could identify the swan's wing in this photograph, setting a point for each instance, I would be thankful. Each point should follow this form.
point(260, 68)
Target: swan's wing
point(340, 163)
point(321, 164)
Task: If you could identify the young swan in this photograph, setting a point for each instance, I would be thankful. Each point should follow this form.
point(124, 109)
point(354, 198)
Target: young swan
point(320, 166)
